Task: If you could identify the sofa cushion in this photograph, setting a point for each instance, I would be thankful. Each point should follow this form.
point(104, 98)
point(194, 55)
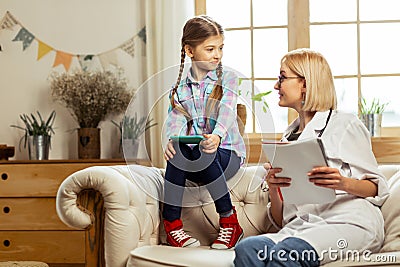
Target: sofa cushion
point(201, 220)
point(162, 256)
point(157, 256)
point(391, 215)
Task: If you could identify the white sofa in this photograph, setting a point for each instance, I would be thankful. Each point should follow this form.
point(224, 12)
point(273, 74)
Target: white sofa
point(133, 232)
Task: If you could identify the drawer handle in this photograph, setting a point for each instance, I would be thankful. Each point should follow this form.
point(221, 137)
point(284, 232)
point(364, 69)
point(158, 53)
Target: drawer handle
point(6, 209)
point(6, 243)
point(4, 176)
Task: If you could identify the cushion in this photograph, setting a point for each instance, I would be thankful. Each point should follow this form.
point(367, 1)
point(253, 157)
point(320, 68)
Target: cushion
point(391, 215)
point(157, 256)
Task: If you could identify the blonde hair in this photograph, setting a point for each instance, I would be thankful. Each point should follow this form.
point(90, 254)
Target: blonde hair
point(196, 31)
point(313, 67)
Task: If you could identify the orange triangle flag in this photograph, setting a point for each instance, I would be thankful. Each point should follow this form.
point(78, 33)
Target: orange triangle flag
point(43, 50)
point(64, 59)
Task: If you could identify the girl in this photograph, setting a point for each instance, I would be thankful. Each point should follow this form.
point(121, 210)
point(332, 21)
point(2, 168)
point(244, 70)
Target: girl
point(203, 103)
point(314, 234)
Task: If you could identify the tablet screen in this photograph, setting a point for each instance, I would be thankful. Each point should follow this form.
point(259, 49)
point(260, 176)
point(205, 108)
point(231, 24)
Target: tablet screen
point(187, 139)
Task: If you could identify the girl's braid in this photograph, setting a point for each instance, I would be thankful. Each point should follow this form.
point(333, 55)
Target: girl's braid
point(215, 97)
point(174, 90)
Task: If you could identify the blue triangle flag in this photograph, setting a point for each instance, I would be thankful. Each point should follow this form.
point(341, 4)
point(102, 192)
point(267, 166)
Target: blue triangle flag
point(142, 34)
point(25, 37)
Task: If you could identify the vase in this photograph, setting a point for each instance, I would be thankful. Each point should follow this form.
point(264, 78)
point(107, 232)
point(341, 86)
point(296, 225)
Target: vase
point(373, 123)
point(89, 143)
point(38, 147)
point(241, 117)
point(130, 148)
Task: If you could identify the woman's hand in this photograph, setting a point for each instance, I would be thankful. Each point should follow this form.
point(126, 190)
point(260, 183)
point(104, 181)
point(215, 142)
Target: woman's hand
point(169, 151)
point(210, 145)
point(275, 197)
point(329, 177)
point(273, 181)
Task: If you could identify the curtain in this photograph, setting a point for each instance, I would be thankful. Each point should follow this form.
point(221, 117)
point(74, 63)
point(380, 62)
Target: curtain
point(164, 20)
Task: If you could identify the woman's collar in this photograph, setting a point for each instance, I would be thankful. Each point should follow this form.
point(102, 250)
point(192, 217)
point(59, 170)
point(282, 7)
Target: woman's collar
point(316, 124)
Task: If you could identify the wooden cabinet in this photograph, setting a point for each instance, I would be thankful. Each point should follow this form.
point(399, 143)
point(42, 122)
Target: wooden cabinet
point(29, 226)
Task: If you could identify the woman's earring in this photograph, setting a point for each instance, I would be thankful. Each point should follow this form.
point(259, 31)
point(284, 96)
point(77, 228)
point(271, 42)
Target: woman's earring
point(304, 99)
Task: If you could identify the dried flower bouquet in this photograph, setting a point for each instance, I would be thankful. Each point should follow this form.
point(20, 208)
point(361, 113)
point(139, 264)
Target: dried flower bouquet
point(91, 96)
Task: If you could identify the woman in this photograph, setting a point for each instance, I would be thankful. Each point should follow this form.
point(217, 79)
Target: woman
point(312, 234)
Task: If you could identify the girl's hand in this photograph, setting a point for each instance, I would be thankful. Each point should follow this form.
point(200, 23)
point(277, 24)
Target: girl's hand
point(169, 151)
point(275, 182)
point(211, 144)
point(328, 177)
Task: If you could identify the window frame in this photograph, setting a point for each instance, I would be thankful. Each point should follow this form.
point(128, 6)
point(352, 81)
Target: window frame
point(299, 36)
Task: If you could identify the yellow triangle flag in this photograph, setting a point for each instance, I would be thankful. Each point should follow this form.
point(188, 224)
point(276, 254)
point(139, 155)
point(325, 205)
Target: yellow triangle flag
point(64, 59)
point(43, 49)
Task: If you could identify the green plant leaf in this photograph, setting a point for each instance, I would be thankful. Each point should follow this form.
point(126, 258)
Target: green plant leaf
point(134, 127)
point(259, 96)
point(35, 126)
point(374, 108)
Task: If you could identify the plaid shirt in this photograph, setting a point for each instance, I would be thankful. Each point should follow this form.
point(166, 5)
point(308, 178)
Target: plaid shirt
point(193, 96)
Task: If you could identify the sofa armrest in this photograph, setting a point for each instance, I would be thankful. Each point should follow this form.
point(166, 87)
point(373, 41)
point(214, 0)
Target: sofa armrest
point(131, 217)
point(389, 170)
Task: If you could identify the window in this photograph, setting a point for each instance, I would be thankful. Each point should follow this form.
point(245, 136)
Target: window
point(358, 38)
point(262, 31)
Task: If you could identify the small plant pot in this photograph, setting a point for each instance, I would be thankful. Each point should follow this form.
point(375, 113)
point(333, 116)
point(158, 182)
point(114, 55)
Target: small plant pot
point(130, 148)
point(89, 143)
point(38, 147)
point(373, 123)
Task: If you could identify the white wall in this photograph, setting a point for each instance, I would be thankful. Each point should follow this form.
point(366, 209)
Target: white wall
point(74, 26)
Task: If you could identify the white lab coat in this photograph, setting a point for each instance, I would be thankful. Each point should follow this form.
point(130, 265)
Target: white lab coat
point(353, 221)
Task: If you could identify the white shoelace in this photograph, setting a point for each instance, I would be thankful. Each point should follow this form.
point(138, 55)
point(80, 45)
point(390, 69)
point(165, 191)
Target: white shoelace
point(179, 235)
point(225, 234)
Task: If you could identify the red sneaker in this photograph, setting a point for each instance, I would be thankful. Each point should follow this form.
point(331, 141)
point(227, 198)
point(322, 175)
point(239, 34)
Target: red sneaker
point(230, 232)
point(177, 237)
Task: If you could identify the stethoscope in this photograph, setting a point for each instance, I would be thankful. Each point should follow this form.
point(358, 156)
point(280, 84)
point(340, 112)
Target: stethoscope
point(326, 123)
point(323, 129)
point(263, 187)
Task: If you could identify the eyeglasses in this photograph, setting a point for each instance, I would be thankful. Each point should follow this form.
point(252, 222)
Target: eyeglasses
point(281, 78)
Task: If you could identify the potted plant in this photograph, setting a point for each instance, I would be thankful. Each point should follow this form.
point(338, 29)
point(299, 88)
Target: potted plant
point(37, 134)
point(91, 97)
point(241, 108)
point(371, 115)
point(131, 128)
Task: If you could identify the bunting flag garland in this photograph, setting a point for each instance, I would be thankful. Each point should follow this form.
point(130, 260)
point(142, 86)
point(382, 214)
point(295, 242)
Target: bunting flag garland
point(25, 37)
point(129, 47)
point(65, 58)
point(85, 61)
point(142, 34)
point(43, 50)
point(109, 58)
point(8, 21)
